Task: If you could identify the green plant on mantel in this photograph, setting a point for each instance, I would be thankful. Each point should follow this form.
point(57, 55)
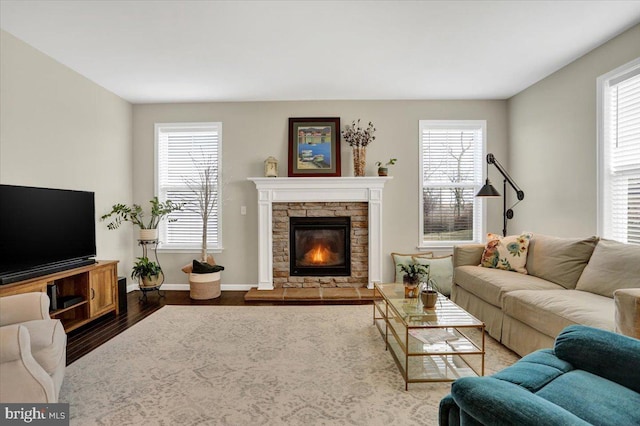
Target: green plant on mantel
point(383, 169)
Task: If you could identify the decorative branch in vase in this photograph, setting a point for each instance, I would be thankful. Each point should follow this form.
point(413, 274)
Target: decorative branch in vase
point(358, 138)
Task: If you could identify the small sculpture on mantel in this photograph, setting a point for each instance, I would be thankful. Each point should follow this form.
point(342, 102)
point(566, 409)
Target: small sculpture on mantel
point(271, 167)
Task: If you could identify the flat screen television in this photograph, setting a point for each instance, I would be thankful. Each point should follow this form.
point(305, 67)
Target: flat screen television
point(43, 231)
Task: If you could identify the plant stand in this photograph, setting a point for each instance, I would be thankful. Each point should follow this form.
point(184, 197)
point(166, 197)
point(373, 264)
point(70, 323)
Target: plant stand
point(150, 245)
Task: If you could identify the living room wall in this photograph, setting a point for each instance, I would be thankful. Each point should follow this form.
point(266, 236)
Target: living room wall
point(253, 131)
point(553, 142)
point(60, 130)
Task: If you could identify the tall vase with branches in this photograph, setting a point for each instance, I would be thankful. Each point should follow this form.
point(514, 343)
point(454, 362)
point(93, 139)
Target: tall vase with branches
point(204, 188)
point(358, 138)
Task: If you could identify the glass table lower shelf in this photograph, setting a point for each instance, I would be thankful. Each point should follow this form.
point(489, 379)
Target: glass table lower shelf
point(429, 345)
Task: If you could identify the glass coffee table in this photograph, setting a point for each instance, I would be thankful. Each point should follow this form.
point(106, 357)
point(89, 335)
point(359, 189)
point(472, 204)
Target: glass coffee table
point(428, 345)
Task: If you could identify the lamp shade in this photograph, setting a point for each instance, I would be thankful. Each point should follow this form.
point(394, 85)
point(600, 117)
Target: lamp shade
point(488, 190)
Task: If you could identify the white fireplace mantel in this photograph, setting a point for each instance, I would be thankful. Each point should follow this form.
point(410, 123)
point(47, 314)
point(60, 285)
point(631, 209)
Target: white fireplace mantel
point(318, 189)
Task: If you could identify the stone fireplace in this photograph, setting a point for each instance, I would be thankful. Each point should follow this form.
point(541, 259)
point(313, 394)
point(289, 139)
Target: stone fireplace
point(309, 202)
point(320, 244)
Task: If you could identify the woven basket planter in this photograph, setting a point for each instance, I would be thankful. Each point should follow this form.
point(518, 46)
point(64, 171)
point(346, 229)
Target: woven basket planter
point(204, 286)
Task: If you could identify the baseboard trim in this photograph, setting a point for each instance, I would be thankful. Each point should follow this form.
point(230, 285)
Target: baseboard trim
point(185, 287)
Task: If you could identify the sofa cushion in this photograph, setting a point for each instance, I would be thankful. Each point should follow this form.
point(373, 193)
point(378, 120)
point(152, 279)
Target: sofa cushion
point(48, 342)
point(627, 301)
point(491, 285)
point(613, 265)
point(508, 253)
point(604, 354)
point(559, 260)
point(549, 311)
point(535, 370)
point(593, 398)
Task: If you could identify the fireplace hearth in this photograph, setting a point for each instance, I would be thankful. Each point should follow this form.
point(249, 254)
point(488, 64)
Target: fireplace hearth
point(320, 246)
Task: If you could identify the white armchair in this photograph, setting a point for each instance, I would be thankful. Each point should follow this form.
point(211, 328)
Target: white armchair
point(33, 349)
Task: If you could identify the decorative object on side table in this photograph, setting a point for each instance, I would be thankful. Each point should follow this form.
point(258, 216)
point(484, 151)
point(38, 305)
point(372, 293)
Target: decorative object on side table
point(489, 191)
point(271, 167)
point(314, 147)
point(383, 169)
point(412, 275)
point(358, 138)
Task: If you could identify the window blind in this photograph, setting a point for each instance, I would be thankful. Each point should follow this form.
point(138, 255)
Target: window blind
point(186, 153)
point(622, 158)
point(451, 171)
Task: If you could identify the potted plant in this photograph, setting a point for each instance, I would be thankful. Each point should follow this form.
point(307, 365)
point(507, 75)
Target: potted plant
point(429, 294)
point(135, 214)
point(412, 274)
point(383, 169)
point(148, 273)
point(204, 274)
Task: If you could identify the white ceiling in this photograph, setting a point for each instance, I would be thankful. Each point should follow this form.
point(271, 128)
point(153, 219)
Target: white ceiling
point(179, 51)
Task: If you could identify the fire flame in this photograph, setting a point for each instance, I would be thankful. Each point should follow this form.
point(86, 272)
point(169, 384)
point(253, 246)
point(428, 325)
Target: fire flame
point(319, 254)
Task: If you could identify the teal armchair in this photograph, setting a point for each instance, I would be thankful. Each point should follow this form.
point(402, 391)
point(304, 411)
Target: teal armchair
point(591, 376)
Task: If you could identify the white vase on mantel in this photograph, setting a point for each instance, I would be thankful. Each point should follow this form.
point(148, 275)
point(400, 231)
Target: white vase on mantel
point(148, 234)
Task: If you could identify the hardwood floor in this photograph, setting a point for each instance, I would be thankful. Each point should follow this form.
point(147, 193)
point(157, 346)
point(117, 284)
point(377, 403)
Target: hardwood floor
point(85, 339)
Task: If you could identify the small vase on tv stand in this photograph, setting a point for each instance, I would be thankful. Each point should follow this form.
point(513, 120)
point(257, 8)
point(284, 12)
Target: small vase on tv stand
point(359, 160)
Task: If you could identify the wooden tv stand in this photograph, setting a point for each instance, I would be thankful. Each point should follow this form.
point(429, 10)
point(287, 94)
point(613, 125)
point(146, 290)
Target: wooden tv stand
point(96, 284)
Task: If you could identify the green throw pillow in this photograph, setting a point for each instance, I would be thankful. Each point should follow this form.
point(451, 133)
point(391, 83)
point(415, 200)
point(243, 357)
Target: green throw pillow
point(440, 271)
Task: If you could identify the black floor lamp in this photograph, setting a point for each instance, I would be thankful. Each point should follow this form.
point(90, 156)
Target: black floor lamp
point(489, 191)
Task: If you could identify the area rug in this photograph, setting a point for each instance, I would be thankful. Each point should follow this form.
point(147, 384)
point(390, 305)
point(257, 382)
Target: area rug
point(252, 365)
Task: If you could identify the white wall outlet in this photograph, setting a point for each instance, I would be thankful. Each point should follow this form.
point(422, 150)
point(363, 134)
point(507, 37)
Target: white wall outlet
point(243, 210)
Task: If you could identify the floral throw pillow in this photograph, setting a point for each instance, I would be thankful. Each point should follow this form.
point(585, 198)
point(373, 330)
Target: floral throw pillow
point(508, 253)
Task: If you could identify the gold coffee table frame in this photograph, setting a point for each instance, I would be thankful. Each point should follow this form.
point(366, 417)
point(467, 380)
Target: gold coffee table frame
point(428, 345)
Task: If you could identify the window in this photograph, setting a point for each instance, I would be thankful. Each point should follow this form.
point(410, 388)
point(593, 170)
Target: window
point(451, 166)
point(619, 154)
point(184, 152)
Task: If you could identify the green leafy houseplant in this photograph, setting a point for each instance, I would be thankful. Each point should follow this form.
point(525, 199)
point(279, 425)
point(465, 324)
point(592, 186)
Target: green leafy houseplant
point(413, 272)
point(383, 169)
point(146, 271)
point(135, 214)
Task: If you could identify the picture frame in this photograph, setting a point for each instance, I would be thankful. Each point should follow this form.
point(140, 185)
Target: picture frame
point(314, 147)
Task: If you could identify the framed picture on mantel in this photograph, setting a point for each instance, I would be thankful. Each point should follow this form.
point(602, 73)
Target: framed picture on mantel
point(314, 147)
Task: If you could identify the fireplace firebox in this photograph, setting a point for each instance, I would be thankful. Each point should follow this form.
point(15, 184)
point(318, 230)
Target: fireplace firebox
point(320, 246)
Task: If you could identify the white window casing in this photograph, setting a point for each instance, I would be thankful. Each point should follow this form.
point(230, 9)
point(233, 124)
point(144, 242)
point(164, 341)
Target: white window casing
point(452, 160)
point(182, 150)
point(618, 103)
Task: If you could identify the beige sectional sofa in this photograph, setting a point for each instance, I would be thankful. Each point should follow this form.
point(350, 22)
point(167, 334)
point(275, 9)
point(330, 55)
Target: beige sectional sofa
point(587, 281)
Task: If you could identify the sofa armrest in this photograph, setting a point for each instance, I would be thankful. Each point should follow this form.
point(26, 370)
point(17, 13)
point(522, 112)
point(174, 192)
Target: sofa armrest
point(601, 352)
point(467, 254)
point(627, 305)
point(23, 379)
point(490, 401)
point(24, 307)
